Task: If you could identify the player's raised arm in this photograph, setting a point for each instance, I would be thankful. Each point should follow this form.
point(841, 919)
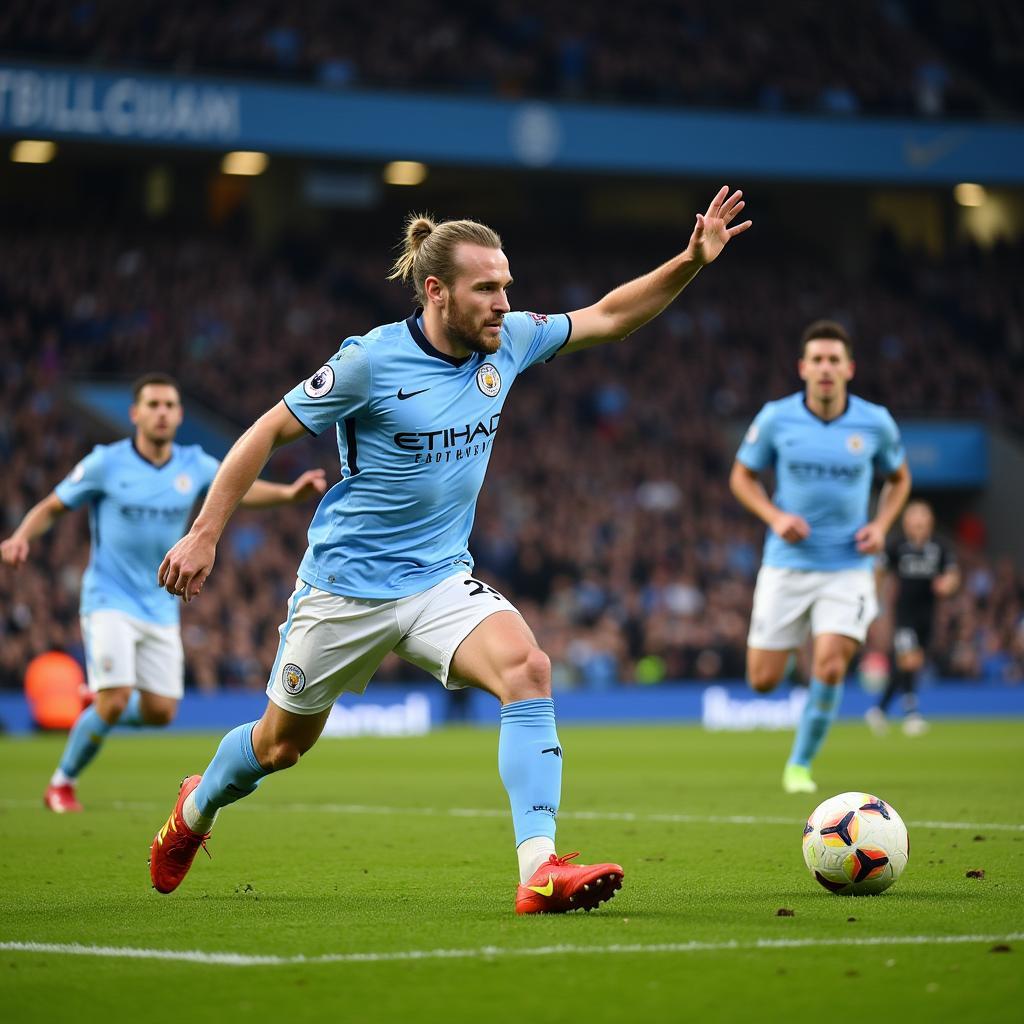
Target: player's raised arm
point(631, 305)
point(186, 566)
point(39, 518)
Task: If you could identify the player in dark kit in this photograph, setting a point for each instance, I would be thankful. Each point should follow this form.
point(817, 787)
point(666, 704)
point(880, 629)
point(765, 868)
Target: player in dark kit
point(926, 569)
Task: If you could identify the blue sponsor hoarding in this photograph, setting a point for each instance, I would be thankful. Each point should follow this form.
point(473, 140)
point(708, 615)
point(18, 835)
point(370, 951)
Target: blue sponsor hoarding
point(143, 109)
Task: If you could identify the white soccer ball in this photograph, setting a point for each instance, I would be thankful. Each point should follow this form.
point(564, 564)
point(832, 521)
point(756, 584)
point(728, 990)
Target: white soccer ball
point(855, 844)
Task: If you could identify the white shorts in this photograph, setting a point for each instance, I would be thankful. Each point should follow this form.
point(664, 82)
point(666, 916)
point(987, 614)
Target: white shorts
point(790, 603)
point(124, 651)
point(332, 644)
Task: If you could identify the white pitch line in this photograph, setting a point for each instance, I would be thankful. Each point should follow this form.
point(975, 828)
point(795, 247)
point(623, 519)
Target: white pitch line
point(494, 812)
point(227, 959)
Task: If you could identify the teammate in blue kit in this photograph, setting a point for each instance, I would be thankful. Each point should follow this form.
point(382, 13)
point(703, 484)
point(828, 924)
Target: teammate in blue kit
point(417, 407)
point(816, 577)
point(140, 492)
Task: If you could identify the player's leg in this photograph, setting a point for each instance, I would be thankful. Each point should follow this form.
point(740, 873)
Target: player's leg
point(766, 668)
point(110, 642)
point(831, 658)
point(909, 664)
point(904, 663)
point(466, 633)
point(779, 623)
point(844, 608)
point(328, 644)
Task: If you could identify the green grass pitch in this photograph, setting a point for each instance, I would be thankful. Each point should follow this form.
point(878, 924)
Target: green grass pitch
point(372, 848)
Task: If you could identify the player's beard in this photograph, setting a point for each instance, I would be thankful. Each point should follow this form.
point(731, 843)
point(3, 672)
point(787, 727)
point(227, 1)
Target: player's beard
point(463, 330)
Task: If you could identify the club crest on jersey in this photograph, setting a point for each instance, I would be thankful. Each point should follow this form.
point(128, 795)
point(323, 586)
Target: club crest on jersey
point(539, 318)
point(183, 483)
point(488, 380)
point(855, 444)
point(320, 383)
point(293, 679)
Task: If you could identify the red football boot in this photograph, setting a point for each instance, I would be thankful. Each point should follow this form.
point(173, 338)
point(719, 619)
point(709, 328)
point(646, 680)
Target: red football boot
point(557, 886)
point(61, 799)
point(174, 847)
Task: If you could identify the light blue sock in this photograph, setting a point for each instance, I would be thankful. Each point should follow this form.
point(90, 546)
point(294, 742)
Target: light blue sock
point(530, 765)
point(131, 717)
point(818, 715)
point(84, 741)
point(233, 773)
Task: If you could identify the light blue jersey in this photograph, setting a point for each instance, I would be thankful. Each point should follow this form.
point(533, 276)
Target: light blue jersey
point(415, 433)
point(137, 511)
point(824, 472)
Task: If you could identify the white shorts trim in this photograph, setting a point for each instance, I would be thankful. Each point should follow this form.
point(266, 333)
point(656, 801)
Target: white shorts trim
point(121, 650)
point(332, 644)
point(789, 604)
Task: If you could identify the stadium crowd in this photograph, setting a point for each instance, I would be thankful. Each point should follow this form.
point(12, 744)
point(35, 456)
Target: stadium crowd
point(882, 57)
point(606, 515)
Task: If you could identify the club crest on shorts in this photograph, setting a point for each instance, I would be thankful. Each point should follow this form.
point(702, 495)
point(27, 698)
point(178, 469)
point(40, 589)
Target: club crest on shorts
point(855, 444)
point(183, 483)
point(320, 383)
point(293, 679)
point(488, 380)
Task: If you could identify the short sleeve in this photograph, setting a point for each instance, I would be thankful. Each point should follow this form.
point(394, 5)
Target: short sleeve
point(536, 337)
point(338, 390)
point(85, 481)
point(757, 451)
point(890, 455)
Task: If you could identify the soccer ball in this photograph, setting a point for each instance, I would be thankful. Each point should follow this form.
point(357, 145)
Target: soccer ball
point(855, 844)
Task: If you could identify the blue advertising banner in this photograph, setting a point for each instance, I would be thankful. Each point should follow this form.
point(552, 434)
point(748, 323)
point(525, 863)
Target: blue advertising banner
point(144, 109)
point(946, 454)
point(394, 711)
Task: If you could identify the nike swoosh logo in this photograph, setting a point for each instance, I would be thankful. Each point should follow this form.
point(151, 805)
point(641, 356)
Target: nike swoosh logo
point(543, 890)
point(403, 395)
point(926, 154)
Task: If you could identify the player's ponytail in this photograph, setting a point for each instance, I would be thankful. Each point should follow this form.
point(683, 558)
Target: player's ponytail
point(418, 227)
point(428, 249)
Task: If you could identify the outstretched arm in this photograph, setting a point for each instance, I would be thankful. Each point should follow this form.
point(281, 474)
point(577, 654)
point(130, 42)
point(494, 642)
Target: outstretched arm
point(186, 566)
point(39, 518)
point(633, 304)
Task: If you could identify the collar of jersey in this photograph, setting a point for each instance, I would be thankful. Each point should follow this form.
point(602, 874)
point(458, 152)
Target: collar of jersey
point(413, 323)
point(150, 462)
point(835, 419)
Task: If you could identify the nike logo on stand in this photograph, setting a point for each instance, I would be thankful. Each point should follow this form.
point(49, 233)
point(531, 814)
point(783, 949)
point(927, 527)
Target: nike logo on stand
point(403, 395)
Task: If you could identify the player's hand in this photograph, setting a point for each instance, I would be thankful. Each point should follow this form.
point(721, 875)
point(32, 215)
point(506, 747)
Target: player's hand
point(945, 585)
point(14, 551)
point(311, 484)
point(870, 539)
point(186, 566)
point(712, 231)
point(791, 528)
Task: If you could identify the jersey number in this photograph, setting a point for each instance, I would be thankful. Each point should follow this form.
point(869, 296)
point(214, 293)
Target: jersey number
point(478, 588)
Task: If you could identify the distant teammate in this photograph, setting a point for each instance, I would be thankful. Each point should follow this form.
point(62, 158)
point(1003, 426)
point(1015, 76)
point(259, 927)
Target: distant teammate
point(417, 405)
point(925, 570)
point(825, 446)
point(140, 492)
